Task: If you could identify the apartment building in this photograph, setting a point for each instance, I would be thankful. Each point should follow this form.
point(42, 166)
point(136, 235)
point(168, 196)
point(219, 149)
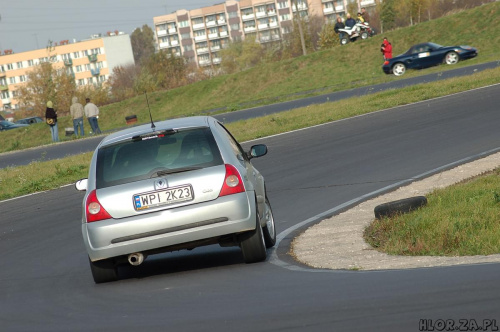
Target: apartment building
point(200, 34)
point(89, 61)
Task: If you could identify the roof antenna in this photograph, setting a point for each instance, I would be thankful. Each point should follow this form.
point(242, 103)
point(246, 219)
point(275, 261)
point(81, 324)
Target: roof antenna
point(149, 109)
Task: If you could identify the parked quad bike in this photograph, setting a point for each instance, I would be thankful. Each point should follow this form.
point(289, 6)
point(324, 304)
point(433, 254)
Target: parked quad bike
point(362, 30)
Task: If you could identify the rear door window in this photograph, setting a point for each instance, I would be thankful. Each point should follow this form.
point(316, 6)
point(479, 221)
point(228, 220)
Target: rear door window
point(135, 160)
point(236, 147)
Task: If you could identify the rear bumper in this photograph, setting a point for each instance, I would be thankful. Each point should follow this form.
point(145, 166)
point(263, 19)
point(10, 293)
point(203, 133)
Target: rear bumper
point(117, 237)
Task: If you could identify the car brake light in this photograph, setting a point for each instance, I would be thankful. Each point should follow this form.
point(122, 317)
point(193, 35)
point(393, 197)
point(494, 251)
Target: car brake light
point(232, 182)
point(386, 62)
point(95, 211)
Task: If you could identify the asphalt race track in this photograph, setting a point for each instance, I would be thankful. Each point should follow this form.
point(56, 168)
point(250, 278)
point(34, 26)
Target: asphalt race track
point(55, 151)
point(46, 285)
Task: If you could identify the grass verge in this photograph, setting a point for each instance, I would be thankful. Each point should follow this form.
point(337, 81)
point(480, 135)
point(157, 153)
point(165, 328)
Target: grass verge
point(42, 175)
point(39, 176)
point(463, 219)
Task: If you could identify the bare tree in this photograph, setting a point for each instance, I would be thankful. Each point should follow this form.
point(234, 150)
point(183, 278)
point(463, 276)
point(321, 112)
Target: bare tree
point(121, 81)
point(241, 55)
point(165, 69)
point(328, 38)
point(45, 83)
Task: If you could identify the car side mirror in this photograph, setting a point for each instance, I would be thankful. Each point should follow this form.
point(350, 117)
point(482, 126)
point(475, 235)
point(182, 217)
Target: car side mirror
point(256, 151)
point(82, 184)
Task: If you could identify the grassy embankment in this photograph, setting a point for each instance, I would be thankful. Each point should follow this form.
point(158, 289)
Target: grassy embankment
point(272, 82)
point(346, 67)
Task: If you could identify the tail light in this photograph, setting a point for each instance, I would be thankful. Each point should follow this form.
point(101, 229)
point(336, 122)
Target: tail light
point(232, 182)
point(94, 210)
point(386, 62)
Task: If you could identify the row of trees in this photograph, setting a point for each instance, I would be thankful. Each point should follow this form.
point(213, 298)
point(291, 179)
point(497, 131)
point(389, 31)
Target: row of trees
point(162, 70)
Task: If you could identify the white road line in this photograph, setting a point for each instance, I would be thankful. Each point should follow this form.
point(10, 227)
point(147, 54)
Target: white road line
point(366, 114)
point(274, 259)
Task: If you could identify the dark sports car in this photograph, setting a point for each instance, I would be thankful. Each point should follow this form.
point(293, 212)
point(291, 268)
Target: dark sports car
point(426, 55)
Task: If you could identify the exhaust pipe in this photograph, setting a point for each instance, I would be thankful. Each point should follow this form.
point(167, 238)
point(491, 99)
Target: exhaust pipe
point(136, 259)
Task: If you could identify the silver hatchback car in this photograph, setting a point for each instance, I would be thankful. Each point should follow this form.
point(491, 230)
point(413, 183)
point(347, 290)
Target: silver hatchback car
point(172, 185)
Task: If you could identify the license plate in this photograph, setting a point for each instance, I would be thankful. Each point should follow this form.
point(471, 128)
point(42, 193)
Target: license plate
point(163, 197)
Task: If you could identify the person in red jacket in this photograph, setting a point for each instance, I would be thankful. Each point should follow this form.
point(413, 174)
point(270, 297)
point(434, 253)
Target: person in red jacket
point(386, 49)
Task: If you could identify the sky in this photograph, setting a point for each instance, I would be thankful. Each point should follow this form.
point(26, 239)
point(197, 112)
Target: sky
point(31, 24)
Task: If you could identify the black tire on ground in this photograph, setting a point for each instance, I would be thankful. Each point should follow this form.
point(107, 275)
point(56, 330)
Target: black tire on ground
point(364, 35)
point(253, 247)
point(399, 206)
point(103, 271)
point(270, 229)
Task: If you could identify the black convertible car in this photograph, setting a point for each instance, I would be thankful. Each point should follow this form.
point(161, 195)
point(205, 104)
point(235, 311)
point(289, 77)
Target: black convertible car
point(426, 55)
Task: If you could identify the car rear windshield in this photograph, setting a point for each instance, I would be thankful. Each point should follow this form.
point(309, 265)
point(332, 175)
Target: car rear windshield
point(156, 155)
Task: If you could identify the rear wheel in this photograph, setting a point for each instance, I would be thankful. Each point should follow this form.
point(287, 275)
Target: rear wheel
point(364, 35)
point(269, 230)
point(253, 247)
point(103, 271)
point(399, 69)
point(451, 58)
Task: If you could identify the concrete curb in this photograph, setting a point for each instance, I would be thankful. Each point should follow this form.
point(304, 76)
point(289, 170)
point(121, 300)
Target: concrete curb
point(337, 243)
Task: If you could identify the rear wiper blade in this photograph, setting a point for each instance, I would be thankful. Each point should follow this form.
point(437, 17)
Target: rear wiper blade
point(176, 170)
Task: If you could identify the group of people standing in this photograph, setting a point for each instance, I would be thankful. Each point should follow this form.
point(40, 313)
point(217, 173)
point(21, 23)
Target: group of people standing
point(91, 113)
point(77, 111)
point(350, 22)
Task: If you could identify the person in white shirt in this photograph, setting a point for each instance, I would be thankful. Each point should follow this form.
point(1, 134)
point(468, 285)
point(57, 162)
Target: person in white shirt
point(92, 113)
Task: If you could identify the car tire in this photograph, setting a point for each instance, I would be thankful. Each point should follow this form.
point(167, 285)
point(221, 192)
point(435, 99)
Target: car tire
point(399, 69)
point(400, 206)
point(103, 271)
point(451, 58)
point(253, 247)
point(364, 35)
point(270, 229)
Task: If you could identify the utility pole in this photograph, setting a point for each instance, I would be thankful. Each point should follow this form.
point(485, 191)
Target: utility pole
point(299, 22)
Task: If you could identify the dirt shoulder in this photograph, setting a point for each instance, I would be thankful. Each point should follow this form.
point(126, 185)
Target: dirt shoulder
point(337, 243)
